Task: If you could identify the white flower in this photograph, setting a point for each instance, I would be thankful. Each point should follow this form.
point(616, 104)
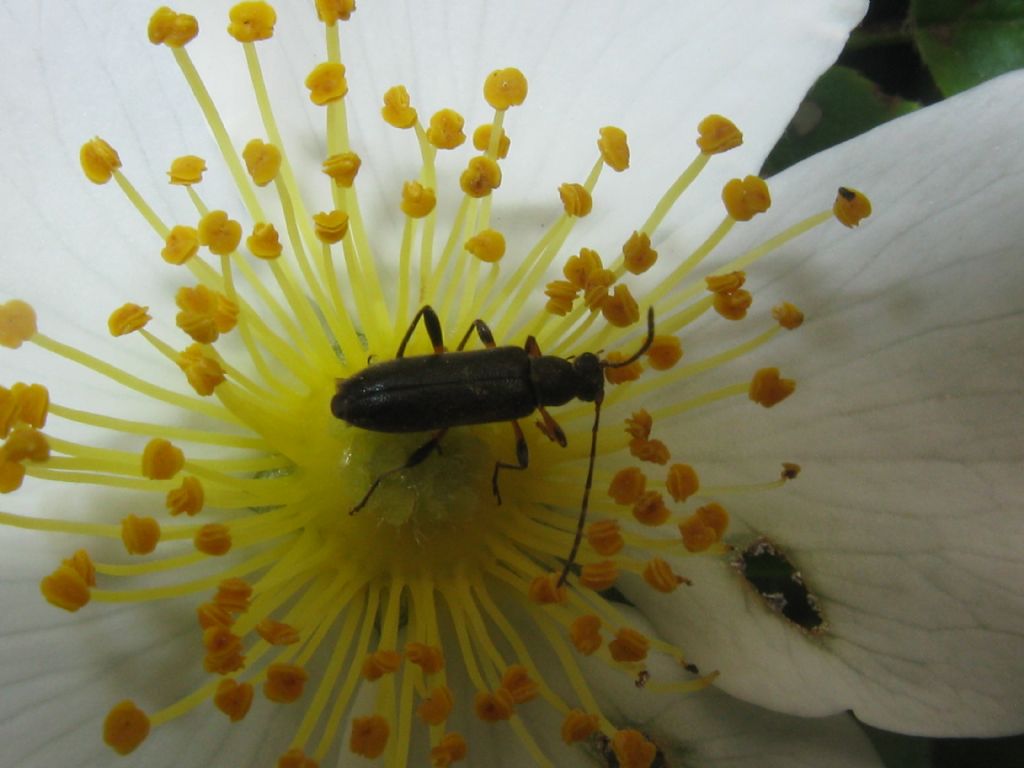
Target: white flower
point(905, 520)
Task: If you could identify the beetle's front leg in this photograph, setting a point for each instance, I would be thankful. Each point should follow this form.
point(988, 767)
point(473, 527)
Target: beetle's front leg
point(416, 457)
point(522, 456)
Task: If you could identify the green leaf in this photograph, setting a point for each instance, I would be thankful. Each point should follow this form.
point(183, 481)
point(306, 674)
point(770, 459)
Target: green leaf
point(966, 42)
point(841, 105)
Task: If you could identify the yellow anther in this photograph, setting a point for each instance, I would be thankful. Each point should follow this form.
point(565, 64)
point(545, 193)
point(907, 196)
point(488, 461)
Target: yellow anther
point(621, 309)
point(82, 563)
point(223, 649)
point(682, 482)
point(697, 536)
point(233, 699)
point(187, 170)
point(342, 167)
point(23, 403)
point(327, 83)
point(436, 707)
point(12, 474)
point(203, 372)
point(66, 588)
point(493, 707)
point(127, 319)
point(331, 226)
point(578, 726)
point(637, 254)
point(629, 646)
point(450, 749)
point(264, 242)
point(628, 485)
point(445, 130)
point(623, 373)
point(99, 160)
point(639, 424)
point(125, 727)
point(251, 22)
point(561, 295)
point(233, 594)
point(285, 682)
point(520, 686)
point(767, 388)
point(653, 451)
point(614, 148)
point(262, 160)
point(25, 443)
point(187, 498)
point(380, 663)
point(717, 134)
point(580, 268)
point(417, 200)
point(714, 516)
point(482, 140)
point(851, 207)
point(140, 534)
point(650, 509)
point(605, 537)
point(730, 282)
point(396, 110)
point(481, 177)
point(488, 245)
point(219, 233)
point(330, 11)
point(427, 657)
point(733, 306)
point(659, 575)
point(789, 471)
point(296, 758)
point(172, 29)
point(595, 294)
point(369, 736)
point(599, 576)
point(585, 633)
point(576, 201)
point(633, 750)
point(505, 88)
point(544, 590)
point(788, 316)
point(205, 314)
point(17, 323)
point(161, 460)
point(277, 632)
point(213, 539)
point(745, 198)
point(213, 615)
point(664, 352)
point(182, 244)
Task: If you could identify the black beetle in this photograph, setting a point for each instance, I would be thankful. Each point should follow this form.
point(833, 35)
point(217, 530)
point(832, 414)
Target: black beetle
point(455, 389)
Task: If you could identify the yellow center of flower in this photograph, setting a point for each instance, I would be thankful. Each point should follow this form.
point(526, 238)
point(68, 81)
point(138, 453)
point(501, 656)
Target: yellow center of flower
point(384, 551)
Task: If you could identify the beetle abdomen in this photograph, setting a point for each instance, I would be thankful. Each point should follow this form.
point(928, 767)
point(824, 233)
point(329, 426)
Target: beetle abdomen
point(417, 394)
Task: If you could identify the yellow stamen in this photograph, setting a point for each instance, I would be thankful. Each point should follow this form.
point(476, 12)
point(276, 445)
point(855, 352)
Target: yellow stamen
point(621, 309)
point(285, 682)
point(650, 509)
point(213, 539)
point(585, 634)
point(343, 168)
point(125, 728)
point(219, 233)
point(327, 83)
point(614, 148)
point(481, 177)
point(99, 160)
point(599, 576)
point(264, 242)
point(445, 131)
point(396, 110)
point(330, 11)
point(629, 646)
point(140, 534)
point(505, 88)
point(174, 30)
point(331, 226)
point(127, 319)
point(767, 388)
point(180, 245)
point(380, 663)
point(605, 537)
point(435, 708)
point(628, 485)
point(262, 160)
point(450, 749)
point(252, 21)
point(17, 323)
point(493, 707)
point(369, 736)
point(682, 482)
point(654, 451)
point(851, 207)
point(161, 460)
point(417, 200)
point(664, 352)
point(717, 134)
point(633, 750)
point(482, 140)
point(660, 576)
point(488, 245)
point(637, 254)
point(66, 588)
point(277, 632)
point(187, 170)
point(203, 372)
point(233, 699)
point(788, 316)
point(745, 198)
point(187, 498)
point(576, 200)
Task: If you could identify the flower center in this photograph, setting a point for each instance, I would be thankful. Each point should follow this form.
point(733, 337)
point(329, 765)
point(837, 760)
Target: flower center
point(380, 545)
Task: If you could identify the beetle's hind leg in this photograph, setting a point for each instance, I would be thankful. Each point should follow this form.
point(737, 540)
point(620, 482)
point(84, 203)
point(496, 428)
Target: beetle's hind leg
point(433, 325)
point(522, 456)
point(416, 457)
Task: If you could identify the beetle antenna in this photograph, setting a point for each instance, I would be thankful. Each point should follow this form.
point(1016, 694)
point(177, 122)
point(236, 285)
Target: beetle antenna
point(586, 493)
point(643, 348)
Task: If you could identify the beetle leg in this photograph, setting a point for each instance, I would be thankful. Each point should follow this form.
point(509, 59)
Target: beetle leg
point(416, 457)
point(532, 347)
point(482, 331)
point(550, 427)
point(522, 456)
point(433, 330)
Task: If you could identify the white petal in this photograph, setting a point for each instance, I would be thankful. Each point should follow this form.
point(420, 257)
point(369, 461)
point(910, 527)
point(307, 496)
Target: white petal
point(907, 519)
